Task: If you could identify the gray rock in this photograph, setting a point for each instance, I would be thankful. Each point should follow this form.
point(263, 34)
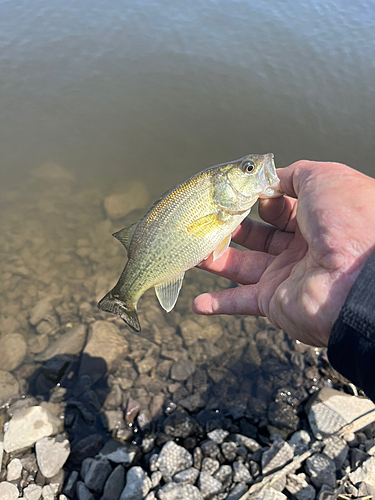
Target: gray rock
point(8, 385)
point(13, 350)
point(297, 485)
point(365, 473)
point(156, 477)
point(249, 443)
point(83, 493)
point(277, 456)
point(224, 475)
point(172, 459)
point(8, 491)
point(229, 451)
point(192, 403)
point(188, 476)
point(32, 492)
point(218, 435)
point(97, 474)
point(181, 370)
point(337, 450)
point(208, 485)
point(210, 448)
point(114, 419)
point(329, 410)
point(241, 474)
point(138, 484)
point(14, 469)
point(29, 426)
point(119, 453)
point(322, 470)
point(210, 465)
point(70, 485)
point(197, 458)
point(86, 447)
point(51, 454)
point(134, 197)
point(179, 491)
point(106, 342)
point(85, 466)
point(270, 494)
point(40, 311)
point(71, 343)
point(300, 441)
point(237, 491)
point(114, 484)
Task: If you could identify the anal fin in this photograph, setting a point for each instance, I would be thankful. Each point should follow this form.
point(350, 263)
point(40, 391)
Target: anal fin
point(220, 249)
point(167, 292)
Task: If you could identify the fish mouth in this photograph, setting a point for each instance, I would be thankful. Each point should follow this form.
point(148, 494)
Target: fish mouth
point(270, 179)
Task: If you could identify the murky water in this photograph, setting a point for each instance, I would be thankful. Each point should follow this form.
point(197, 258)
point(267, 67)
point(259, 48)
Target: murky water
point(154, 92)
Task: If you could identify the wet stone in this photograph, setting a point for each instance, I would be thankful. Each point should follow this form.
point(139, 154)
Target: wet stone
point(156, 477)
point(83, 493)
point(97, 474)
point(114, 419)
point(181, 370)
point(179, 491)
point(48, 492)
point(173, 458)
point(197, 458)
point(250, 444)
point(12, 351)
point(277, 456)
point(300, 441)
point(88, 446)
point(40, 311)
point(188, 476)
point(70, 485)
point(224, 475)
point(192, 403)
point(70, 343)
point(241, 474)
point(119, 453)
point(283, 416)
point(14, 469)
point(299, 487)
point(138, 484)
point(208, 485)
point(51, 454)
point(322, 470)
point(9, 386)
point(179, 424)
point(210, 465)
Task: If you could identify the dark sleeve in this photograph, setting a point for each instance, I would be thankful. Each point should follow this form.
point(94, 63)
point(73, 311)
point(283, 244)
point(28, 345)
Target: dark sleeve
point(351, 347)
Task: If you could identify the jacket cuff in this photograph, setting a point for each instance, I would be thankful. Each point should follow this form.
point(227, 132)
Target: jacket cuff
point(351, 347)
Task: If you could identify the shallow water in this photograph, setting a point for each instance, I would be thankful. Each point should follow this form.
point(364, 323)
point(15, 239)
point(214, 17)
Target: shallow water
point(156, 91)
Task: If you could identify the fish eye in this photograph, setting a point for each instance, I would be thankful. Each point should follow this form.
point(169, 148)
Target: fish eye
point(248, 166)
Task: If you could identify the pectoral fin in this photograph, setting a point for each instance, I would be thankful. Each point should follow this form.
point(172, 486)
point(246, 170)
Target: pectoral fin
point(125, 235)
point(205, 225)
point(218, 252)
point(167, 293)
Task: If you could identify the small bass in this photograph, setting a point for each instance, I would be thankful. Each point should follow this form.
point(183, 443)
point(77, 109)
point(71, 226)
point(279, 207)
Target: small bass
point(189, 223)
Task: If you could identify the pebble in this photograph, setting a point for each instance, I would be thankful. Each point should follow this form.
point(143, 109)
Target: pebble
point(88, 446)
point(51, 454)
point(229, 451)
point(224, 475)
point(276, 456)
point(241, 474)
point(105, 346)
point(9, 386)
point(297, 486)
point(179, 491)
point(249, 443)
point(210, 465)
point(322, 470)
point(97, 474)
point(156, 477)
point(271, 494)
point(29, 426)
point(119, 453)
point(237, 491)
point(83, 493)
point(32, 492)
point(208, 485)
point(210, 448)
point(48, 492)
point(218, 435)
point(40, 311)
point(14, 469)
point(188, 476)
point(173, 458)
point(114, 484)
point(70, 343)
point(70, 485)
point(138, 484)
point(181, 370)
point(13, 350)
point(365, 473)
point(300, 441)
point(8, 491)
point(337, 450)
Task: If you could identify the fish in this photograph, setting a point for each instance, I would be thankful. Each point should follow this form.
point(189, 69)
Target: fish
point(190, 222)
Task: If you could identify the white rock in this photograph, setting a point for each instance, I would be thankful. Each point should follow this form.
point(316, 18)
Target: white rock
point(48, 493)
point(51, 454)
point(13, 349)
point(119, 205)
point(14, 469)
point(32, 492)
point(8, 491)
point(29, 426)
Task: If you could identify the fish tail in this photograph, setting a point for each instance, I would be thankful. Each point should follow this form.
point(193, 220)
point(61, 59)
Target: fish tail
point(126, 311)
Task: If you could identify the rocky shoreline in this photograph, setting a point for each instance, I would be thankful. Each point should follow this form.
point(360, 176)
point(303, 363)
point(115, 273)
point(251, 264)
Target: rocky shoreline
point(191, 408)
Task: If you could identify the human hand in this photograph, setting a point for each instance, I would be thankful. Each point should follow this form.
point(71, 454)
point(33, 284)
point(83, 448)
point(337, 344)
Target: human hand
point(301, 268)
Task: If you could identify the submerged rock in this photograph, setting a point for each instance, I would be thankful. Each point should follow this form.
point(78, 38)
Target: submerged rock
point(13, 349)
point(51, 454)
point(8, 385)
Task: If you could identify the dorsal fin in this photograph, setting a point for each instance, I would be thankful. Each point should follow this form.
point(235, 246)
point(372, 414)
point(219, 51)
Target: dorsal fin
point(125, 235)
